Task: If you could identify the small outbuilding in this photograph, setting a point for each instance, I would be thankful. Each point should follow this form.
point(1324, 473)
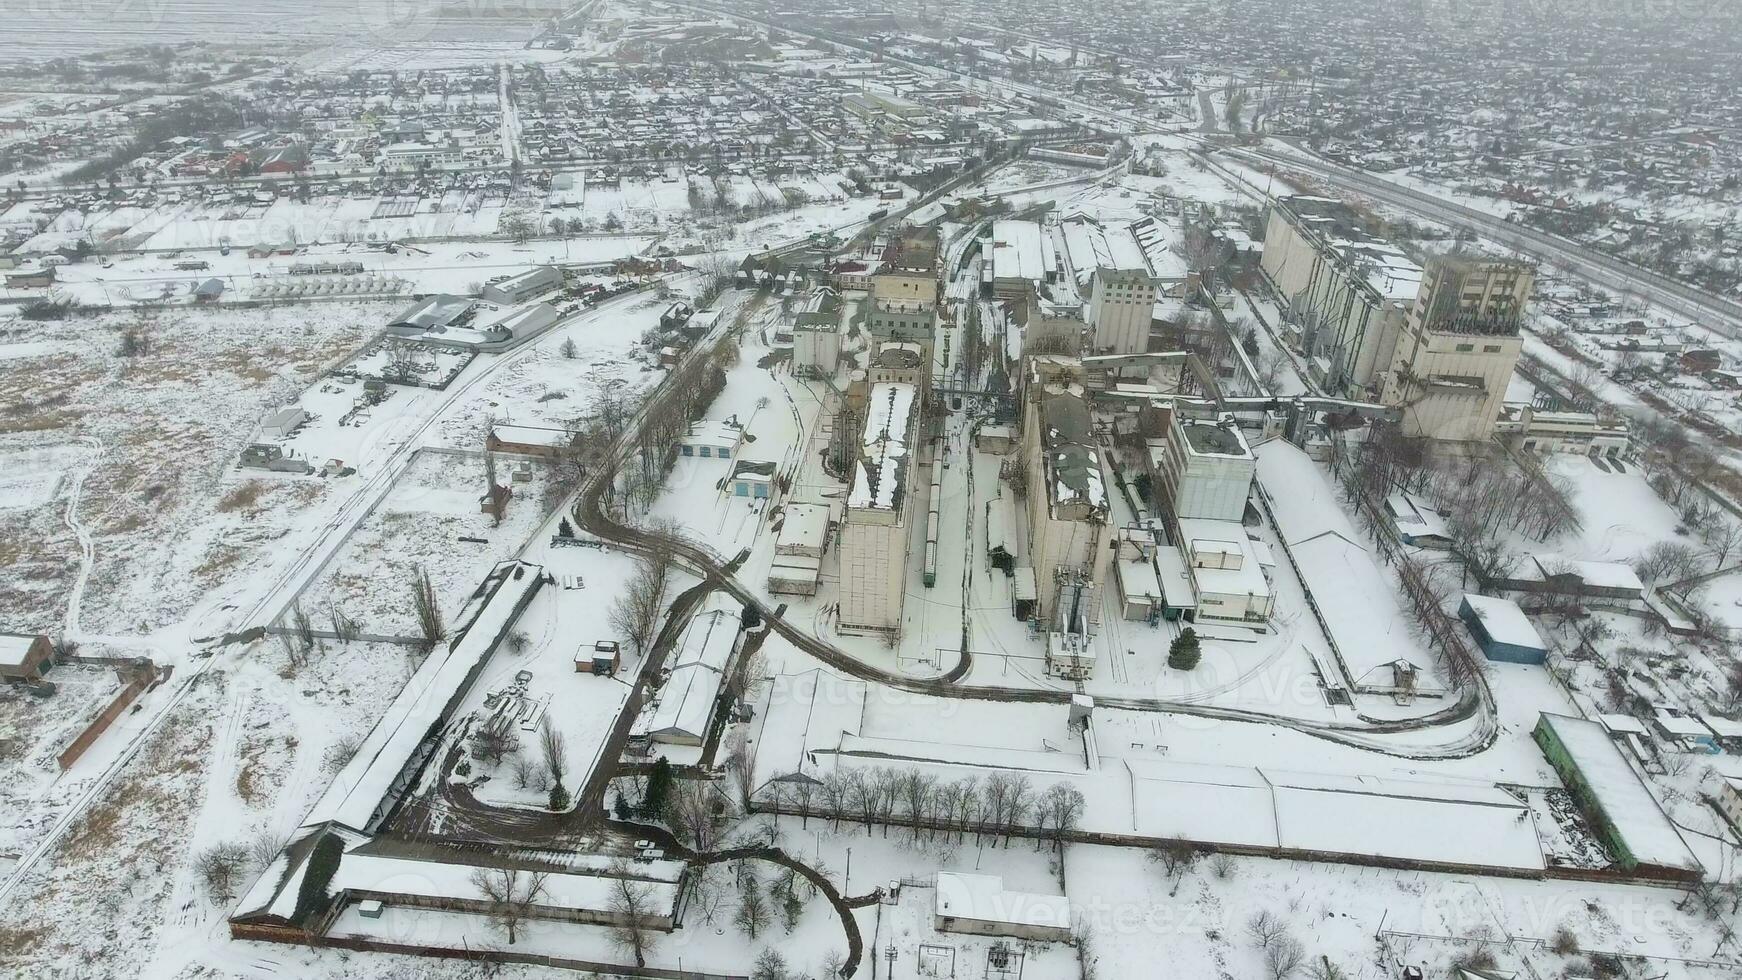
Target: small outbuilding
point(601, 659)
point(24, 656)
point(1502, 630)
point(282, 423)
point(979, 905)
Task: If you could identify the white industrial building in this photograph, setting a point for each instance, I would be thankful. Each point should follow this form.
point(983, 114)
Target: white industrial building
point(1121, 307)
point(523, 286)
point(1022, 258)
point(1203, 469)
point(873, 540)
point(1229, 572)
point(1524, 427)
point(684, 706)
point(980, 905)
point(1347, 293)
point(798, 549)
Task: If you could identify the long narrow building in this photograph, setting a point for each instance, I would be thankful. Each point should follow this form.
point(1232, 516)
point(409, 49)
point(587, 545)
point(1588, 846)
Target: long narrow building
point(874, 531)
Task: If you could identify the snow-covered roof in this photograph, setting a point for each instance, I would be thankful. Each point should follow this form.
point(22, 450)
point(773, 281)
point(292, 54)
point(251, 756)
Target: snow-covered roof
point(15, 649)
point(879, 472)
point(531, 435)
point(804, 712)
point(1413, 518)
point(1361, 606)
point(686, 700)
point(357, 793)
point(1504, 622)
point(452, 881)
point(1019, 250)
point(802, 528)
point(984, 899)
point(1679, 725)
point(1628, 805)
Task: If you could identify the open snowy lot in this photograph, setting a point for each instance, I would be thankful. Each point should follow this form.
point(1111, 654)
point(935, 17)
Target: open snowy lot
point(149, 441)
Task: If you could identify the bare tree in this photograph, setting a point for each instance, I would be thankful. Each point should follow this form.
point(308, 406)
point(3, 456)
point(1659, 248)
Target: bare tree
point(1063, 806)
point(695, 812)
point(631, 905)
point(1175, 857)
point(555, 750)
point(1264, 928)
point(220, 869)
point(752, 916)
point(1282, 957)
point(509, 895)
point(492, 742)
point(402, 360)
point(635, 614)
point(1723, 537)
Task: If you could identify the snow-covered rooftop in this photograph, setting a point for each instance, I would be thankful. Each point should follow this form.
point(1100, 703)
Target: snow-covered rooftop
point(879, 472)
point(358, 792)
point(1628, 806)
point(1504, 621)
point(984, 899)
point(14, 649)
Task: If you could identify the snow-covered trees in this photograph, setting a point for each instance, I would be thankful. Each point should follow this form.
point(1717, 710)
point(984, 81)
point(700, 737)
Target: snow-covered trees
point(509, 895)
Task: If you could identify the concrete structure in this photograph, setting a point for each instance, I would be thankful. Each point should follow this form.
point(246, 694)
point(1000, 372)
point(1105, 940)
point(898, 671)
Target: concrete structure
point(711, 440)
point(1347, 292)
point(1203, 469)
point(980, 905)
point(798, 549)
point(899, 363)
point(816, 335)
point(1121, 305)
point(1523, 427)
point(1502, 630)
point(1730, 800)
point(1068, 515)
point(1620, 808)
point(24, 656)
point(908, 273)
point(1228, 571)
point(523, 286)
point(1459, 344)
point(1022, 258)
point(874, 532)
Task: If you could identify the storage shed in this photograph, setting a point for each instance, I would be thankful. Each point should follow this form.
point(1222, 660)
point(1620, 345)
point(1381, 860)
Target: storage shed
point(1502, 630)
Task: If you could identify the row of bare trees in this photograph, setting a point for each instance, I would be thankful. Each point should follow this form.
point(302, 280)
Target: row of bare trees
point(995, 808)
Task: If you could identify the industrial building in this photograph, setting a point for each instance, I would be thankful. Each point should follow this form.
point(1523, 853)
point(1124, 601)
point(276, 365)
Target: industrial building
point(980, 905)
point(1203, 469)
point(1021, 258)
point(816, 334)
point(523, 286)
point(1524, 427)
point(1346, 292)
point(873, 539)
point(1068, 516)
point(1502, 630)
point(798, 549)
point(1121, 306)
point(683, 708)
point(1460, 342)
point(1615, 800)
